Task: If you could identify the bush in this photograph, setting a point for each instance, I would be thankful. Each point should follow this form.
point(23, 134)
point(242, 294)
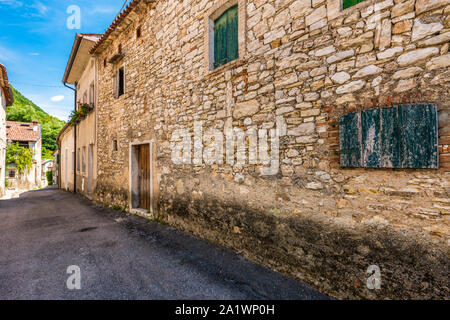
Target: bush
point(50, 177)
point(20, 156)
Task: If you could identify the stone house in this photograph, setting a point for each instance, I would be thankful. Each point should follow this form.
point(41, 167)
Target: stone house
point(351, 105)
point(26, 135)
point(78, 139)
point(47, 165)
point(6, 99)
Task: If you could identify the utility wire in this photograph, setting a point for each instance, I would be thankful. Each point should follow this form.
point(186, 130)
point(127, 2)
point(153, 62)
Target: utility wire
point(122, 8)
point(36, 85)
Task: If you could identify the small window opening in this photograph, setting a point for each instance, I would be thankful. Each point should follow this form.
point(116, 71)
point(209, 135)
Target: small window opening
point(138, 32)
point(115, 146)
point(121, 82)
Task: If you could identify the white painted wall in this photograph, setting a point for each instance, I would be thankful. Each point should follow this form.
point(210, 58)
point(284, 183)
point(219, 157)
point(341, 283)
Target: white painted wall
point(2, 142)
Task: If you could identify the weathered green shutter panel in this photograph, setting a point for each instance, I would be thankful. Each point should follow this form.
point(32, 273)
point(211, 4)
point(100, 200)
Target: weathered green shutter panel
point(404, 136)
point(370, 125)
point(349, 132)
point(419, 138)
point(232, 34)
point(390, 138)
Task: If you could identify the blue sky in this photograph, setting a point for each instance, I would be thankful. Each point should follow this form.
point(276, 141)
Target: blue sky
point(35, 45)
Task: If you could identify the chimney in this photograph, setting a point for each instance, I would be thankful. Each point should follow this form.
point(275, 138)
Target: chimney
point(35, 125)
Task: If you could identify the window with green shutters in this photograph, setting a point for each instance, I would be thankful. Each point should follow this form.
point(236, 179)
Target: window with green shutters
point(349, 3)
point(226, 45)
point(403, 136)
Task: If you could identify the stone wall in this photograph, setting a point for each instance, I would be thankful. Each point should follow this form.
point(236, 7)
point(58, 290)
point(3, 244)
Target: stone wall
point(310, 62)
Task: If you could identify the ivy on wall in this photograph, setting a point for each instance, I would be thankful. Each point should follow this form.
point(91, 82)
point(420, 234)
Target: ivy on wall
point(20, 156)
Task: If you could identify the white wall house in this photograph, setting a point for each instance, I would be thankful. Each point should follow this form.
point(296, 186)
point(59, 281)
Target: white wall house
point(26, 135)
point(6, 99)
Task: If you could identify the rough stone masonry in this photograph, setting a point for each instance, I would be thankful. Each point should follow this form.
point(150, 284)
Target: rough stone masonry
point(310, 62)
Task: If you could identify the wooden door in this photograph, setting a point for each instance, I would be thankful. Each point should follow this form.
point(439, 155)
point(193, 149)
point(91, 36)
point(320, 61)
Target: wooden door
point(144, 176)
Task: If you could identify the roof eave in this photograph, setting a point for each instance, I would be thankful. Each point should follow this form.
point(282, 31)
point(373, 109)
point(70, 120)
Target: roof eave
point(73, 54)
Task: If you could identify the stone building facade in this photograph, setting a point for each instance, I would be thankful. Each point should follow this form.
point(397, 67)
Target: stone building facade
point(302, 64)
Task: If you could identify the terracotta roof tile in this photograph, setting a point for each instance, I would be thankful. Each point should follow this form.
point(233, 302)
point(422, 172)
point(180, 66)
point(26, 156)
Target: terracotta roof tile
point(20, 131)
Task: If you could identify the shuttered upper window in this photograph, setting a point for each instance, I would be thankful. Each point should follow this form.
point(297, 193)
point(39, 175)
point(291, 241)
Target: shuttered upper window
point(404, 136)
point(226, 46)
point(119, 83)
point(349, 3)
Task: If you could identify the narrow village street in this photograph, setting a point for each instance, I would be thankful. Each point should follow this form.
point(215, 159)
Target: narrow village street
point(120, 256)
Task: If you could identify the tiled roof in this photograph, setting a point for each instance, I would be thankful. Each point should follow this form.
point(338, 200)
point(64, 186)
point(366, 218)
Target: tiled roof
point(4, 85)
point(20, 131)
point(119, 18)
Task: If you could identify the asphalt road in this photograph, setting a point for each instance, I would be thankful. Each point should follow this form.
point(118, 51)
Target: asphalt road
point(120, 256)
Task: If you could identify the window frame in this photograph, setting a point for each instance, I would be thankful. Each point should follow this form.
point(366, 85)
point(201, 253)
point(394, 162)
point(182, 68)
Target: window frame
point(78, 166)
point(211, 15)
point(335, 8)
point(227, 59)
point(343, 4)
point(92, 94)
point(116, 80)
point(83, 160)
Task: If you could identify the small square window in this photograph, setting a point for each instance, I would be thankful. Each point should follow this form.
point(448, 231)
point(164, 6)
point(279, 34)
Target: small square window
point(226, 44)
point(350, 3)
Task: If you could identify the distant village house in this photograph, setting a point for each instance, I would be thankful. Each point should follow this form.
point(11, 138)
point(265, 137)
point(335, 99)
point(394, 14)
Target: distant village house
point(27, 135)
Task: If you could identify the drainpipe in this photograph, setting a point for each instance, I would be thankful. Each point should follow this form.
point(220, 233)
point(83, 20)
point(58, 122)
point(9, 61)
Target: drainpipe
point(74, 139)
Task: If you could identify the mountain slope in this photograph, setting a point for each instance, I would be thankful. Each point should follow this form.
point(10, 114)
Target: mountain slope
point(24, 110)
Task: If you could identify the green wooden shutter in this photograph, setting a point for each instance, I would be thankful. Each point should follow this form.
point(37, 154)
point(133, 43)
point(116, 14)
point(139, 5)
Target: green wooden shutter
point(226, 37)
point(390, 141)
point(350, 3)
point(419, 138)
point(403, 136)
point(220, 40)
point(370, 125)
point(349, 132)
point(232, 34)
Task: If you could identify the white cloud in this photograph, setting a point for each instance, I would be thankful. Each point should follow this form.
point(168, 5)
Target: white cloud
point(34, 53)
point(57, 98)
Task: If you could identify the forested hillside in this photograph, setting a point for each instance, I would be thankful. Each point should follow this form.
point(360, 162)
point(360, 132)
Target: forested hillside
point(24, 110)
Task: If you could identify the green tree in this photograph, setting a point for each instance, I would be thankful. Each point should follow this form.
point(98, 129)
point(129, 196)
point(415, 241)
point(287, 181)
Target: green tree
point(49, 175)
point(24, 110)
point(20, 156)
